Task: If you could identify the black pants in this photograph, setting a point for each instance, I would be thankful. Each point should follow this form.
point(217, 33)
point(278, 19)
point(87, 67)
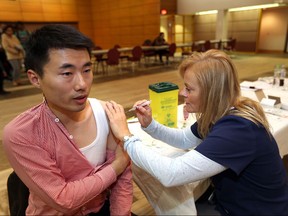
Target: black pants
point(206, 204)
point(104, 211)
point(18, 195)
point(162, 53)
point(1, 80)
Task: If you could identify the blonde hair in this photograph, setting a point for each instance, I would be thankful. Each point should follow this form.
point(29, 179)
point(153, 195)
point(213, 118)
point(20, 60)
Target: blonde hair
point(219, 90)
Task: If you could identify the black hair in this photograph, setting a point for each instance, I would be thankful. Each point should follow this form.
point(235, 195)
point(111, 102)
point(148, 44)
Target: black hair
point(7, 26)
point(54, 36)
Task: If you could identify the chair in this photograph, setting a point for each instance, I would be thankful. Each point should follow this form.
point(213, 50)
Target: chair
point(113, 57)
point(136, 56)
point(18, 194)
point(172, 50)
point(206, 46)
point(122, 56)
point(230, 47)
point(218, 45)
point(98, 60)
point(231, 44)
point(186, 52)
point(285, 162)
point(193, 48)
point(148, 53)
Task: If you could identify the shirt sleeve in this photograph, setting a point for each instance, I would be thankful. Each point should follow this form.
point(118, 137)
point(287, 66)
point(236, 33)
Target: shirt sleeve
point(179, 138)
point(231, 142)
point(39, 171)
point(121, 196)
point(7, 46)
point(191, 166)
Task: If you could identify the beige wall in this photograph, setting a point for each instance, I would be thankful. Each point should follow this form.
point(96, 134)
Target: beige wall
point(244, 26)
point(107, 22)
point(193, 6)
point(273, 29)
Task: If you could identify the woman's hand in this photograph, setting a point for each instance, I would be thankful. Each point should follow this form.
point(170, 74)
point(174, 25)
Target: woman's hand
point(117, 118)
point(144, 113)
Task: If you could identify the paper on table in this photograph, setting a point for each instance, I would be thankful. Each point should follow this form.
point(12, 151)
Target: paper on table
point(255, 85)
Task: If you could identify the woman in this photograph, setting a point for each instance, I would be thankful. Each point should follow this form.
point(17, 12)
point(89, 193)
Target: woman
point(14, 52)
point(231, 141)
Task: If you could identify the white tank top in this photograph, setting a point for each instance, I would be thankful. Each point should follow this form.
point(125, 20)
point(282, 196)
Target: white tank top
point(96, 151)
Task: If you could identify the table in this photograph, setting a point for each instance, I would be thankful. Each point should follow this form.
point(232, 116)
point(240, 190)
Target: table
point(129, 49)
point(266, 84)
point(178, 200)
point(277, 117)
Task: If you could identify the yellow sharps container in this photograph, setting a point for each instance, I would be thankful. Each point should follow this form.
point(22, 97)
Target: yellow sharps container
point(164, 102)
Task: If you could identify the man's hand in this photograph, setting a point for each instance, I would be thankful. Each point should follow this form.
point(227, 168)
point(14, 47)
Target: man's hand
point(121, 160)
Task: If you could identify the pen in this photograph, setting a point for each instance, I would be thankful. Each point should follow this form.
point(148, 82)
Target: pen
point(145, 103)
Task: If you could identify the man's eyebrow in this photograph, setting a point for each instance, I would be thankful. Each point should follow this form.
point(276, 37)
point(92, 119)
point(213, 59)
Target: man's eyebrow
point(66, 65)
point(88, 64)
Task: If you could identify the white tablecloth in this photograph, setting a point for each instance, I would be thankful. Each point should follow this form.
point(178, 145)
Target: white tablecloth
point(178, 200)
point(181, 200)
point(277, 117)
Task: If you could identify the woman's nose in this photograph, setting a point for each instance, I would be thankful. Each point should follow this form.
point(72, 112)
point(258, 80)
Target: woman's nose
point(183, 92)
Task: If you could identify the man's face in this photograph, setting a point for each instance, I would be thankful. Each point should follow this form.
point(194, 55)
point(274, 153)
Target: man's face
point(67, 80)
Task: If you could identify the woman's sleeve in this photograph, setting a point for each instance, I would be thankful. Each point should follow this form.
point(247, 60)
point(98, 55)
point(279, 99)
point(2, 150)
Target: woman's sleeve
point(191, 166)
point(179, 138)
point(7, 47)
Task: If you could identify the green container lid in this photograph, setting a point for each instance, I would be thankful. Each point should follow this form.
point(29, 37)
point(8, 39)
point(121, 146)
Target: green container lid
point(163, 87)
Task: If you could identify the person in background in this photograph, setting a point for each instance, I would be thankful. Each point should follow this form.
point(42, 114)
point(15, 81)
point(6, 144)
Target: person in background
point(229, 142)
point(22, 33)
point(3, 75)
point(160, 41)
point(62, 149)
point(14, 52)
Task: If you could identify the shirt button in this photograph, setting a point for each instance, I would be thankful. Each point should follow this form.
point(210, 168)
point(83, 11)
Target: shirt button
point(83, 208)
point(56, 119)
point(71, 136)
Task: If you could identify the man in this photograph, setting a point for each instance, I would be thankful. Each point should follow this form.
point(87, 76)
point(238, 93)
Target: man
point(160, 41)
point(22, 33)
point(62, 149)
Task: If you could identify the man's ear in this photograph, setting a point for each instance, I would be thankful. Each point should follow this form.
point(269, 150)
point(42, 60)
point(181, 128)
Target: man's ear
point(34, 78)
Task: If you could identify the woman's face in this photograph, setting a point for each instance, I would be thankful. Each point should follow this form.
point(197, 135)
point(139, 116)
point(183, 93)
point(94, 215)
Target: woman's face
point(9, 31)
point(191, 92)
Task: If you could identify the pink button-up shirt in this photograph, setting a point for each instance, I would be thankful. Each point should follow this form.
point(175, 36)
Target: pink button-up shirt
point(60, 179)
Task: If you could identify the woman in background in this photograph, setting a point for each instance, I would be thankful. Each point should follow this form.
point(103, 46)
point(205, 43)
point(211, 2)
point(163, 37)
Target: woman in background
point(14, 52)
point(230, 141)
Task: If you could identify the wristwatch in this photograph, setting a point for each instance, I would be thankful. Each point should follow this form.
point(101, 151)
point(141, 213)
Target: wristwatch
point(126, 138)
